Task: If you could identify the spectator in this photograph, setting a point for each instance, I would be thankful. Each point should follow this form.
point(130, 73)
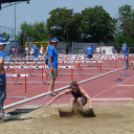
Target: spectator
point(46, 55)
point(41, 52)
point(11, 53)
point(27, 53)
point(125, 50)
point(84, 51)
point(35, 53)
point(16, 52)
point(21, 53)
point(53, 64)
point(98, 50)
point(2, 78)
point(89, 51)
point(71, 50)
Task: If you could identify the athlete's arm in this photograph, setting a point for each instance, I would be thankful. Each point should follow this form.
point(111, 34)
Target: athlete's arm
point(128, 50)
point(45, 53)
point(1, 65)
point(56, 97)
point(87, 96)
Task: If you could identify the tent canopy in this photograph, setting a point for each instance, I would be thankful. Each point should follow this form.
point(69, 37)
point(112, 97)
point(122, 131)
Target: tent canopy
point(9, 1)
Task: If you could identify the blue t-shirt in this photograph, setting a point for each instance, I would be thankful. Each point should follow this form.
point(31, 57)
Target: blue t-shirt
point(125, 50)
point(85, 50)
point(2, 55)
point(112, 49)
point(36, 54)
point(89, 50)
point(71, 50)
point(52, 52)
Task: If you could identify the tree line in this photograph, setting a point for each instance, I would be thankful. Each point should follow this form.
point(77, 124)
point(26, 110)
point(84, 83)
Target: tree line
point(90, 25)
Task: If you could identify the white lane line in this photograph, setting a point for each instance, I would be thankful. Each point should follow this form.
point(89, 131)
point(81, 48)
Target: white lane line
point(24, 90)
point(110, 99)
point(112, 87)
point(126, 85)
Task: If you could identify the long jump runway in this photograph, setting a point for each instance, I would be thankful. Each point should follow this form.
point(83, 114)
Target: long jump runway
point(101, 90)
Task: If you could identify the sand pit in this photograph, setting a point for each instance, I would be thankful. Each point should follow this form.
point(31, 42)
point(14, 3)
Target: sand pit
point(109, 119)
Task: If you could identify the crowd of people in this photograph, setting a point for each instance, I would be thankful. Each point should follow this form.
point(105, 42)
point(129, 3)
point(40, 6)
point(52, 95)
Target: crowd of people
point(88, 53)
point(20, 53)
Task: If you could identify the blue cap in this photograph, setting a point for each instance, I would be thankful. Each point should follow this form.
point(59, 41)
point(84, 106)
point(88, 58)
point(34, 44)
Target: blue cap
point(54, 39)
point(2, 41)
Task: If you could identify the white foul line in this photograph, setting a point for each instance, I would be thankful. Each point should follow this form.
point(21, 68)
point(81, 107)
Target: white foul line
point(111, 99)
point(126, 85)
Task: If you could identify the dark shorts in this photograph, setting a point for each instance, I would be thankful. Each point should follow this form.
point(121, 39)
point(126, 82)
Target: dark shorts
point(85, 98)
point(82, 97)
point(46, 61)
point(2, 91)
point(89, 56)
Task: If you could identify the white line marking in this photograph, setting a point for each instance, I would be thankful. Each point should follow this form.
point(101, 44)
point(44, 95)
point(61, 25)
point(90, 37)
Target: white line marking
point(125, 85)
point(24, 90)
point(110, 99)
point(111, 87)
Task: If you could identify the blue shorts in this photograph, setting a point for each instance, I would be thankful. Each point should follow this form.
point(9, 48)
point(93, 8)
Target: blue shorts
point(2, 91)
point(35, 59)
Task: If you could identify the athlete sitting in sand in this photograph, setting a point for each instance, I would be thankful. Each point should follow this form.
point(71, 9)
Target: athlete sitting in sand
point(79, 95)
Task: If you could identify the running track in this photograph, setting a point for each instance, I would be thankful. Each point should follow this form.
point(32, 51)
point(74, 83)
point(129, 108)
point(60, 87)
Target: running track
point(102, 90)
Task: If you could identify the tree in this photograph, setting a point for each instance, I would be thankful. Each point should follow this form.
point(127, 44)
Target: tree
point(56, 25)
point(6, 36)
point(97, 25)
point(38, 31)
point(64, 23)
point(120, 38)
point(126, 20)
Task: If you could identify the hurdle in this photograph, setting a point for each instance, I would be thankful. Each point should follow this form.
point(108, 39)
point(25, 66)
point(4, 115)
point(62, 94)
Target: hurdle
point(125, 69)
point(47, 82)
point(23, 75)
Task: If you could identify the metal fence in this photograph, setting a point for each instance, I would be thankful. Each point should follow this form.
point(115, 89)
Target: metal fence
point(10, 31)
point(61, 47)
point(11, 44)
point(78, 47)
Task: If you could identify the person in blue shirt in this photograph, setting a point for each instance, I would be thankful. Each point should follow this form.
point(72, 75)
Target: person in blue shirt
point(89, 52)
point(46, 55)
point(125, 50)
point(35, 52)
point(53, 64)
point(71, 50)
point(113, 49)
point(2, 78)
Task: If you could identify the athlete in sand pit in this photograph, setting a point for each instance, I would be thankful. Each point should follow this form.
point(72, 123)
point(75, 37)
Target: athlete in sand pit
point(79, 95)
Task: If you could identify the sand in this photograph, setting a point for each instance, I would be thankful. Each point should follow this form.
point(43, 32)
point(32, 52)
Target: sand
point(110, 119)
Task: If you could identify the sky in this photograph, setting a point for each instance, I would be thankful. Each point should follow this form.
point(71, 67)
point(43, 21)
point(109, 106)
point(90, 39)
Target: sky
point(38, 10)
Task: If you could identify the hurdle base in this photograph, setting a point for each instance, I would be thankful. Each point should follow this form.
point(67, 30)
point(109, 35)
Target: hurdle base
point(125, 75)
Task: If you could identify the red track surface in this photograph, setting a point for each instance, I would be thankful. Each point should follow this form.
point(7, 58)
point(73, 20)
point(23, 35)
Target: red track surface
point(101, 90)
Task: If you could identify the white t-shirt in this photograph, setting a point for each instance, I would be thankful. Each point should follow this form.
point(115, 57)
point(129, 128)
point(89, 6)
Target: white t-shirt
point(27, 50)
point(31, 52)
point(98, 50)
point(41, 50)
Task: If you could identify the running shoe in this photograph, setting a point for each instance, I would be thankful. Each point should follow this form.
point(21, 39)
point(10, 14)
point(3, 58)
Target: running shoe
point(5, 114)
